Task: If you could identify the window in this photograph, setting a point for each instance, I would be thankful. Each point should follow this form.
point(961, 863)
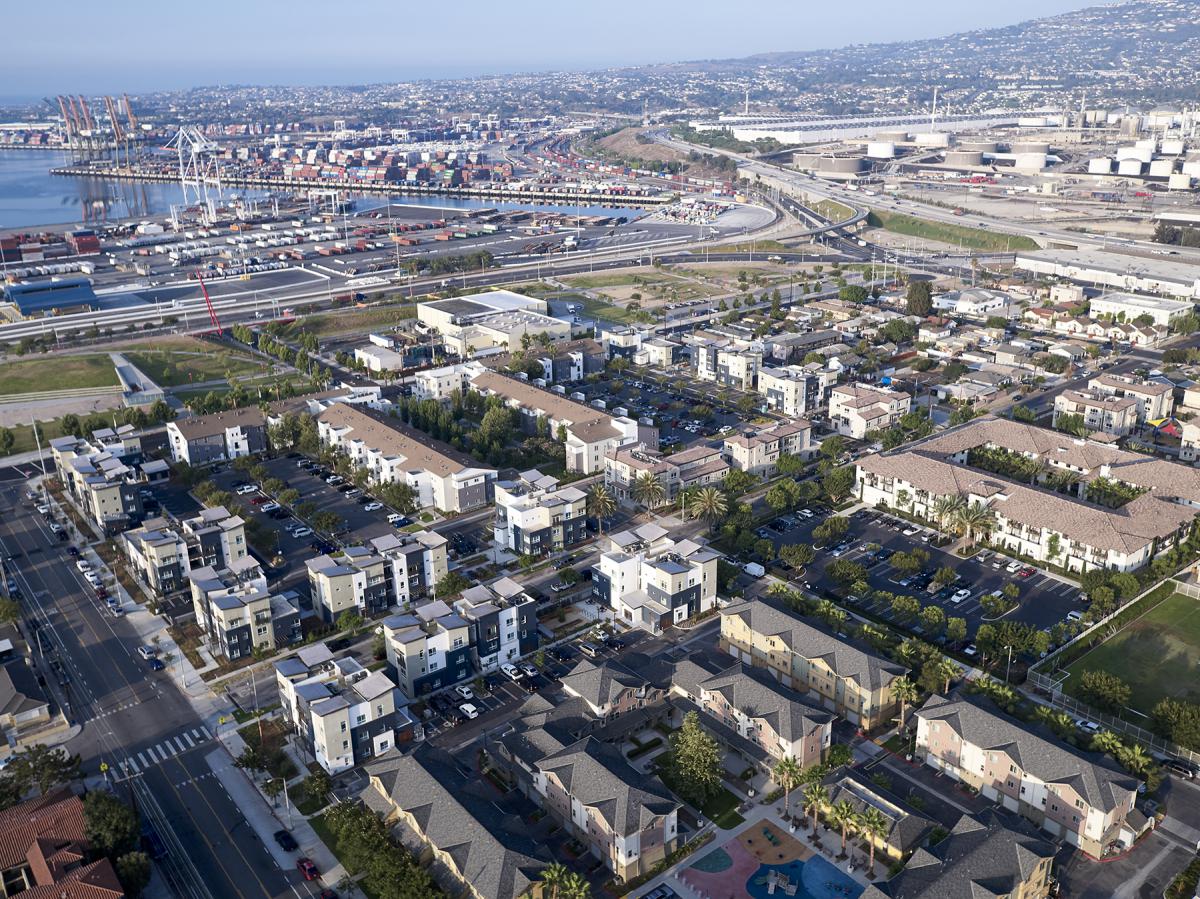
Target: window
point(343, 727)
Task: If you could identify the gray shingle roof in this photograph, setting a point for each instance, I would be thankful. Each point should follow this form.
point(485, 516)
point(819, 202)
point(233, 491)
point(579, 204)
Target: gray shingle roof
point(980, 858)
point(600, 684)
point(487, 846)
point(846, 658)
point(1098, 781)
point(598, 776)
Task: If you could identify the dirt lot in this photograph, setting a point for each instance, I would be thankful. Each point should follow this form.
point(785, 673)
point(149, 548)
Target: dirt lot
point(625, 143)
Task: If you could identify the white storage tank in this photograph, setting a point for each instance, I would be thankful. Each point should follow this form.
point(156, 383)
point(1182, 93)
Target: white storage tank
point(933, 139)
point(1101, 165)
point(964, 158)
point(1029, 162)
point(1192, 168)
point(892, 137)
point(1148, 143)
point(881, 149)
point(1162, 168)
point(1172, 148)
point(1141, 154)
point(1130, 167)
point(1180, 182)
point(1033, 122)
point(978, 146)
point(1030, 146)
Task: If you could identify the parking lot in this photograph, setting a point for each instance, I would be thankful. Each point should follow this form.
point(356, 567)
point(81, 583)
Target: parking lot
point(647, 398)
point(1043, 600)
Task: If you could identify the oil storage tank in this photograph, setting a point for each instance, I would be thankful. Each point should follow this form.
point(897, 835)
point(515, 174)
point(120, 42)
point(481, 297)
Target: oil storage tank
point(964, 158)
point(881, 149)
point(841, 165)
point(933, 139)
point(1130, 166)
point(892, 137)
point(1101, 165)
point(1162, 168)
point(978, 146)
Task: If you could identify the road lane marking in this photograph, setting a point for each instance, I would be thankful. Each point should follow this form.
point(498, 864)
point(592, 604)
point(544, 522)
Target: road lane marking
point(190, 742)
point(142, 759)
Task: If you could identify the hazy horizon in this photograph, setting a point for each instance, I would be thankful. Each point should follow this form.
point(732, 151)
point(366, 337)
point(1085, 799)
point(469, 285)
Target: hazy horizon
point(150, 47)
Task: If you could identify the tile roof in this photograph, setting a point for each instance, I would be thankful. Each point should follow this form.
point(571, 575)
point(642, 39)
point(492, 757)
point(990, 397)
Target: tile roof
point(845, 658)
point(393, 439)
point(584, 422)
point(490, 849)
point(1093, 777)
point(217, 423)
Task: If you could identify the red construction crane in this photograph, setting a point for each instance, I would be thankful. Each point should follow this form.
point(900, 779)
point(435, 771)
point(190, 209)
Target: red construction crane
point(68, 125)
point(212, 313)
point(111, 108)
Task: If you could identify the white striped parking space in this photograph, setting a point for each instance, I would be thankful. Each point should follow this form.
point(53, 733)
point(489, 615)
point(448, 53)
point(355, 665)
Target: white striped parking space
point(160, 752)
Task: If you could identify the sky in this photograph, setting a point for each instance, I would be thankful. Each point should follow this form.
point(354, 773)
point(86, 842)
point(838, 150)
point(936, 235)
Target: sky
point(137, 46)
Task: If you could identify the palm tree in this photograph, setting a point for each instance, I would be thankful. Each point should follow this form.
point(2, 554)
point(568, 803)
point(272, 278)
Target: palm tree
point(942, 669)
point(787, 773)
point(815, 796)
point(601, 504)
point(1107, 741)
point(554, 875)
point(975, 519)
point(905, 692)
point(575, 887)
point(709, 504)
point(1135, 759)
point(842, 815)
point(872, 823)
point(827, 611)
point(944, 509)
point(648, 490)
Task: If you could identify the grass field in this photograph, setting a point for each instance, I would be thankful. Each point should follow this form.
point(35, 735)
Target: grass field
point(832, 210)
point(57, 373)
point(346, 320)
point(619, 279)
point(171, 368)
point(608, 312)
point(757, 246)
point(1158, 655)
point(955, 235)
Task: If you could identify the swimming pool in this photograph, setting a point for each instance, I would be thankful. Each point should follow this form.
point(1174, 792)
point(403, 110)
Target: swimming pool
point(818, 879)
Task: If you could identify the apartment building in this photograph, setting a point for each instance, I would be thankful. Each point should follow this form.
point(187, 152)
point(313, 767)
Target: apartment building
point(727, 363)
point(796, 390)
point(839, 674)
point(441, 477)
point(980, 857)
point(342, 713)
point(534, 516)
point(590, 433)
point(413, 564)
point(158, 557)
point(1082, 798)
point(464, 839)
point(428, 649)
point(237, 612)
point(353, 580)
point(653, 582)
point(658, 352)
point(1042, 520)
point(1130, 307)
point(697, 466)
point(1104, 413)
point(904, 828)
point(758, 451)
point(610, 689)
point(1154, 399)
point(104, 486)
point(622, 817)
point(624, 342)
point(754, 713)
point(201, 439)
point(501, 623)
point(855, 409)
point(214, 537)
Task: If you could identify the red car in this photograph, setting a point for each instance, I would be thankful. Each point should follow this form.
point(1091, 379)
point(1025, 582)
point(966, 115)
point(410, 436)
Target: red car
point(258, 500)
point(306, 867)
point(1026, 572)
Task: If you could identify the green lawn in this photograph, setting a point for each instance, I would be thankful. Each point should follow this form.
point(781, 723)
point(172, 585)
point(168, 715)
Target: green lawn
point(610, 313)
point(57, 373)
point(970, 238)
point(341, 321)
point(175, 369)
point(1158, 655)
point(721, 809)
point(832, 210)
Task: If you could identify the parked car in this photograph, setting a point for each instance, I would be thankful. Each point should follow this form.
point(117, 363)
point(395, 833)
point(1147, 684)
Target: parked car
point(307, 868)
point(528, 669)
point(1026, 572)
point(247, 489)
point(960, 595)
point(1180, 768)
point(84, 566)
point(1087, 726)
point(510, 671)
point(302, 532)
point(589, 649)
point(373, 506)
point(464, 691)
point(147, 652)
point(1013, 567)
point(468, 711)
point(269, 507)
point(286, 841)
point(156, 665)
point(92, 578)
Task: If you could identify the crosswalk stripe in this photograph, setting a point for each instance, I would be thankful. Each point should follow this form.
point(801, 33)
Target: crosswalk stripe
point(195, 732)
point(207, 735)
point(132, 764)
point(154, 757)
point(190, 742)
point(142, 759)
point(179, 743)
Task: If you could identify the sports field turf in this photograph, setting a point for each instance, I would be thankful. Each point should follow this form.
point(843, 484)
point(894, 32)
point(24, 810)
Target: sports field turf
point(1157, 655)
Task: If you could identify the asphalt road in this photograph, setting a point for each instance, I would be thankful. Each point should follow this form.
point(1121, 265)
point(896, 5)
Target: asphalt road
point(135, 720)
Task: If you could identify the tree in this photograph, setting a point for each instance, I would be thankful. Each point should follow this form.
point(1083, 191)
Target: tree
point(496, 426)
point(906, 692)
point(401, 497)
point(453, 583)
point(937, 673)
point(251, 759)
point(70, 424)
point(783, 495)
point(10, 610)
point(1105, 691)
point(6, 441)
point(843, 816)
point(272, 788)
point(873, 824)
point(709, 504)
point(317, 786)
point(554, 875)
point(787, 774)
point(133, 870)
point(648, 490)
point(695, 761)
point(326, 521)
point(601, 504)
point(975, 519)
point(845, 572)
point(738, 482)
point(798, 555)
point(110, 825)
point(933, 620)
point(43, 767)
point(815, 796)
point(919, 298)
point(853, 293)
point(838, 483)
point(956, 629)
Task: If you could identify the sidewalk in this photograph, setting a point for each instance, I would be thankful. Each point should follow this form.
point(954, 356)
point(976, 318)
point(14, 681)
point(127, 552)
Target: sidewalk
point(267, 820)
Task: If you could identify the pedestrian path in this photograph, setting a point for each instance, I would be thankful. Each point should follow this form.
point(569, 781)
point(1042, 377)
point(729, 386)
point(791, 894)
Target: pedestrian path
point(160, 752)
